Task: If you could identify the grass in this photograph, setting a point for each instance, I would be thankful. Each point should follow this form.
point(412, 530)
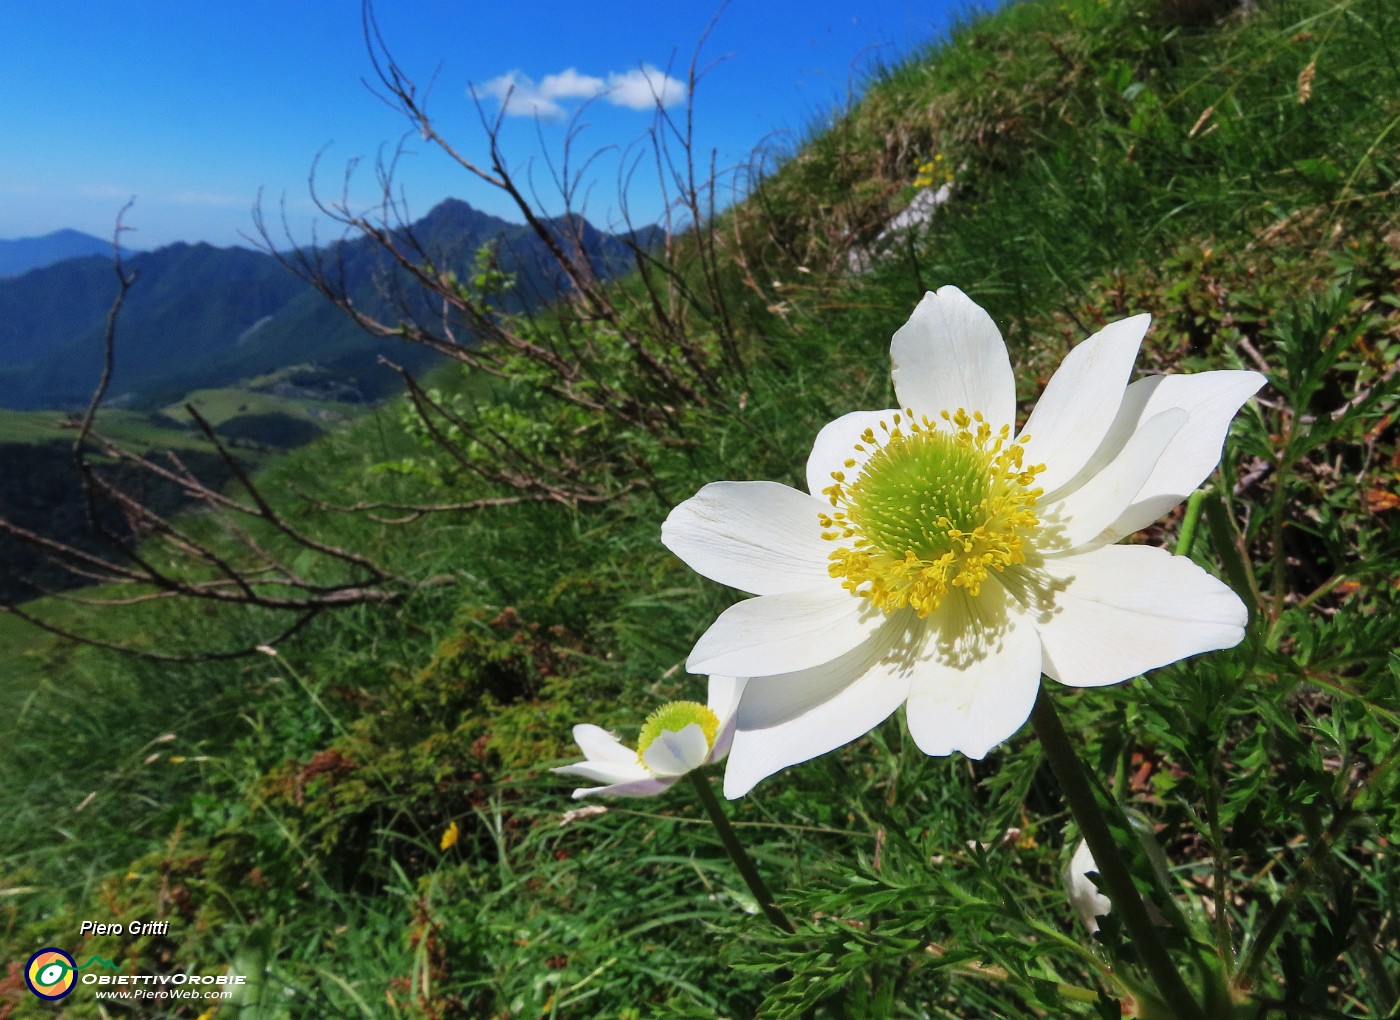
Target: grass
point(136, 430)
point(291, 820)
point(219, 405)
point(133, 429)
point(21, 642)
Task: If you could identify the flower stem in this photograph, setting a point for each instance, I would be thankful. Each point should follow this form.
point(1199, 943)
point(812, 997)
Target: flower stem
point(1187, 536)
point(738, 854)
point(1118, 883)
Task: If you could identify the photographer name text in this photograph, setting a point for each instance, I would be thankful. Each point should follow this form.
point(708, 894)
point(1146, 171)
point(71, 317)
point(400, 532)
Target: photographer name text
point(134, 928)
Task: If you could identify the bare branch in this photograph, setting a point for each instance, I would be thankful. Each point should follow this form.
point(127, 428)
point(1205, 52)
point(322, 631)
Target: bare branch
point(263, 579)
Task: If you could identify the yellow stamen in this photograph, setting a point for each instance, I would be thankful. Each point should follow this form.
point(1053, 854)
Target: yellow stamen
point(936, 506)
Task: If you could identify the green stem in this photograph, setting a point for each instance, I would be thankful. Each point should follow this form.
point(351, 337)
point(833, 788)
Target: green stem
point(1118, 883)
point(1187, 536)
point(1280, 566)
point(738, 854)
point(1224, 945)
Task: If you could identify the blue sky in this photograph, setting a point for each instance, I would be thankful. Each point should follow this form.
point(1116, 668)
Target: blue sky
point(192, 106)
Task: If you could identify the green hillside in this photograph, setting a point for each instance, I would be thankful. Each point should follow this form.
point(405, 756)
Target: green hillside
point(361, 820)
point(135, 429)
point(220, 407)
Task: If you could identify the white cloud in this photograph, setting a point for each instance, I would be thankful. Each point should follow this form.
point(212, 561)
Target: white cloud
point(643, 88)
point(520, 96)
point(570, 85)
point(639, 89)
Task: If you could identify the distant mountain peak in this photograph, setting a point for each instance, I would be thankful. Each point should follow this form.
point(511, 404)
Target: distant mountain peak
point(22, 254)
point(202, 316)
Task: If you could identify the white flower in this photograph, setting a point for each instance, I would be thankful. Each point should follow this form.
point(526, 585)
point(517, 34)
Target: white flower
point(940, 564)
point(1084, 895)
point(677, 738)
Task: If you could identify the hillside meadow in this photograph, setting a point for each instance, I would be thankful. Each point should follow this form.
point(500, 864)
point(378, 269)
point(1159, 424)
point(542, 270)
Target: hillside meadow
point(361, 820)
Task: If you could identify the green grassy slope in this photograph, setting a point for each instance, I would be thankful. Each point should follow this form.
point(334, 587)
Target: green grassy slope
point(1236, 178)
point(218, 406)
point(133, 429)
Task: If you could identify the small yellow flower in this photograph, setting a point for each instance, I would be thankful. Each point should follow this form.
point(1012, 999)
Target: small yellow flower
point(449, 838)
point(932, 171)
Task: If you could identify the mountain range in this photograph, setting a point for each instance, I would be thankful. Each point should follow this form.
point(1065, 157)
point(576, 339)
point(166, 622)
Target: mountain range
point(200, 316)
point(25, 253)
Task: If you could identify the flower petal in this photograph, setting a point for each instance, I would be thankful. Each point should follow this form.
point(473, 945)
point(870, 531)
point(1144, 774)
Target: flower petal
point(784, 720)
point(980, 680)
point(771, 700)
point(1081, 399)
point(1114, 612)
point(759, 537)
point(722, 695)
point(598, 745)
point(1083, 514)
point(836, 444)
point(1211, 399)
point(606, 772)
point(723, 701)
point(648, 787)
point(950, 355)
point(775, 634)
point(1084, 896)
point(676, 752)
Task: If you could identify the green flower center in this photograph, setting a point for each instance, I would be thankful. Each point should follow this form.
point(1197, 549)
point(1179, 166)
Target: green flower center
point(936, 505)
point(675, 717)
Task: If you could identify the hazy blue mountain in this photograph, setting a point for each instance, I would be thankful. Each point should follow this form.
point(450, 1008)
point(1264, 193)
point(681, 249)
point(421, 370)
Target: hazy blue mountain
point(189, 302)
point(25, 253)
point(200, 316)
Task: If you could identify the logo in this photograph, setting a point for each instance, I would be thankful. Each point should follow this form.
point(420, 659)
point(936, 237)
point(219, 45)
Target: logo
point(51, 974)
